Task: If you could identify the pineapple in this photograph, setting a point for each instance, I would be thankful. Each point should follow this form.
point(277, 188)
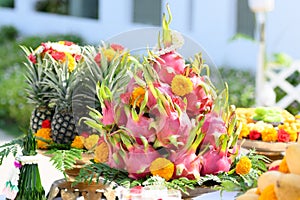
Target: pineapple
point(64, 82)
point(37, 91)
point(109, 69)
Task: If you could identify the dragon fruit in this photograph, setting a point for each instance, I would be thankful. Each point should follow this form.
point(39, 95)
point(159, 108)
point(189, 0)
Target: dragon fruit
point(213, 127)
point(215, 161)
point(141, 128)
point(173, 130)
point(186, 165)
point(198, 101)
point(166, 110)
point(108, 113)
point(168, 65)
point(138, 160)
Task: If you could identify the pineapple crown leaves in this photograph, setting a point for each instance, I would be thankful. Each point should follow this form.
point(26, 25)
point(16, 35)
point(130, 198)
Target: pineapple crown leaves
point(63, 83)
point(113, 74)
point(35, 78)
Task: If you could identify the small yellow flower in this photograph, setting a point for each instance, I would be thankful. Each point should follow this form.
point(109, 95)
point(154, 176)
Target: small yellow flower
point(44, 133)
point(162, 167)
point(101, 153)
point(109, 54)
point(244, 131)
point(137, 96)
point(269, 135)
point(283, 167)
point(268, 193)
point(71, 62)
point(181, 85)
point(78, 142)
point(244, 165)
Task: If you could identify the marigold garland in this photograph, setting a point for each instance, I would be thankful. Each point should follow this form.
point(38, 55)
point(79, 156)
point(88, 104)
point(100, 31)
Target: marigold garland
point(44, 133)
point(78, 142)
point(181, 85)
point(269, 135)
point(291, 129)
point(268, 193)
point(162, 167)
point(244, 166)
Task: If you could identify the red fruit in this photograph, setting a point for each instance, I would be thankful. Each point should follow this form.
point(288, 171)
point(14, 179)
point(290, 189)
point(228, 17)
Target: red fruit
point(215, 161)
point(170, 64)
point(46, 124)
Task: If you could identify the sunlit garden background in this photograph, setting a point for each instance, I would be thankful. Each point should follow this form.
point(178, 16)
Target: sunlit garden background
point(14, 109)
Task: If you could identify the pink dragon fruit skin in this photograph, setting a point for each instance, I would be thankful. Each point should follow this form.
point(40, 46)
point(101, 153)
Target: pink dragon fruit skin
point(141, 127)
point(198, 102)
point(114, 153)
point(108, 113)
point(138, 161)
point(173, 125)
point(215, 161)
point(213, 127)
point(186, 165)
point(170, 64)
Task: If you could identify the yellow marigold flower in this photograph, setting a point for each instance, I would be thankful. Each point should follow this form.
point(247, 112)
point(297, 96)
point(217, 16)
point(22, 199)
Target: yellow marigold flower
point(101, 153)
point(243, 166)
point(268, 193)
point(91, 142)
point(269, 135)
point(244, 131)
point(137, 96)
point(162, 167)
point(44, 133)
point(181, 85)
point(78, 142)
point(283, 167)
point(109, 54)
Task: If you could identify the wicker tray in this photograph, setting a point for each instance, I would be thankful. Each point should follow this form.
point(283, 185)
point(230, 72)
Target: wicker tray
point(264, 146)
point(273, 150)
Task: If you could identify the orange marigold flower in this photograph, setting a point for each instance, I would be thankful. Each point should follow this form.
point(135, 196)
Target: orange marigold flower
point(78, 142)
point(268, 193)
point(44, 133)
point(269, 134)
point(101, 153)
point(243, 166)
point(137, 96)
point(162, 167)
point(181, 85)
point(283, 167)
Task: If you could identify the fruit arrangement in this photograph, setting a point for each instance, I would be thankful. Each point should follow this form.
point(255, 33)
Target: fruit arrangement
point(52, 69)
point(282, 181)
point(268, 124)
point(145, 117)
